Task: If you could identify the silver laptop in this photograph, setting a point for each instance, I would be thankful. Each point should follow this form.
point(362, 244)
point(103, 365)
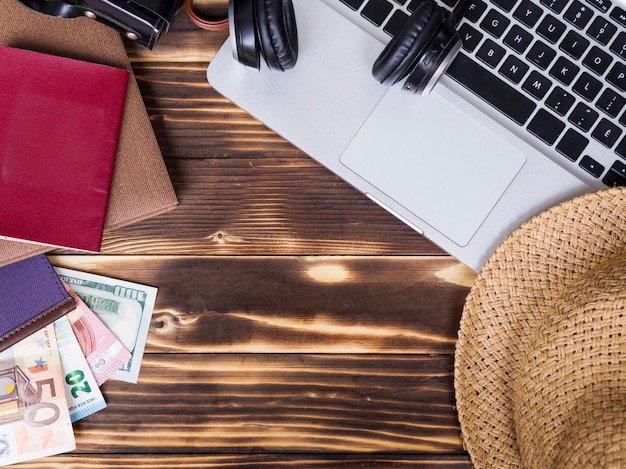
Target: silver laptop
point(530, 112)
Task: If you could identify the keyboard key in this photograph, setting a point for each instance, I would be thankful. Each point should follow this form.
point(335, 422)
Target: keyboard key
point(473, 11)
point(395, 24)
point(587, 86)
point(506, 5)
point(491, 53)
point(602, 5)
point(492, 89)
point(619, 15)
point(413, 5)
point(606, 133)
point(495, 23)
point(541, 55)
point(564, 70)
point(601, 30)
point(555, 5)
point(597, 60)
point(578, 14)
point(591, 166)
point(514, 69)
point(551, 29)
point(528, 13)
point(583, 117)
point(470, 37)
point(620, 149)
point(560, 101)
point(572, 145)
point(354, 4)
point(376, 11)
point(611, 102)
point(536, 85)
point(617, 76)
point(619, 45)
point(518, 39)
point(574, 44)
point(616, 175)
point(545, 126)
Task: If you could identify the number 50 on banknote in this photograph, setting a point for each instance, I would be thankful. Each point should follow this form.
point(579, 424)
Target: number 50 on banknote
point(34, 418)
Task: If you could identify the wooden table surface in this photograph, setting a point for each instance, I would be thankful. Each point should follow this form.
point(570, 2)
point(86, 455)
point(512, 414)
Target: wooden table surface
point(297, 324)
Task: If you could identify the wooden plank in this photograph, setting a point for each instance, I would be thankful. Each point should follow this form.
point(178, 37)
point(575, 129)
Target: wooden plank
point(270, 206)
point(279, 403)
point(295, 304)
point(250, 461)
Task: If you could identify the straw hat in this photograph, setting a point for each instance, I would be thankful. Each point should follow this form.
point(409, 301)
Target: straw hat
point(540, 364)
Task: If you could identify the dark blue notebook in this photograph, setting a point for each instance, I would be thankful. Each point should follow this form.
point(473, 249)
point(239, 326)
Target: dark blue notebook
point(31, 297)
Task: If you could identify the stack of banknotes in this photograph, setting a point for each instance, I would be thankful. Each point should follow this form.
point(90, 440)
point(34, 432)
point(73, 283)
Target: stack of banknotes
point(52, 378)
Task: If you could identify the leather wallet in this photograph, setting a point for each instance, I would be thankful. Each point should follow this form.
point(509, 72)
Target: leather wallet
point(31, 297)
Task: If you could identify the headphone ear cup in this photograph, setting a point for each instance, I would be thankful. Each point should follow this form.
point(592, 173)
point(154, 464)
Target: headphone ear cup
point(277, 33)
point(243, 37)
point(435, 60)
point(398, 57)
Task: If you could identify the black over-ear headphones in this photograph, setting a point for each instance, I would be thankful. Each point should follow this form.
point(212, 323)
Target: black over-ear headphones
point(420, 52)
point(264, 28)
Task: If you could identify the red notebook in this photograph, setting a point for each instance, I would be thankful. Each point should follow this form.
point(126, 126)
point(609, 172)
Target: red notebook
point(59, 129)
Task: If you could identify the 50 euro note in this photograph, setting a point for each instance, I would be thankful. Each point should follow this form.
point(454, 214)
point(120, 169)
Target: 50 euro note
point(125, 307)
point(81, 389)
point(34, 417)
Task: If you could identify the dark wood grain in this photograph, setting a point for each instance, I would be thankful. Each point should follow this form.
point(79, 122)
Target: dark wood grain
point(312, 304)
point(297, 324)
point(263, 207)
point(292, 403)
point(248, 461)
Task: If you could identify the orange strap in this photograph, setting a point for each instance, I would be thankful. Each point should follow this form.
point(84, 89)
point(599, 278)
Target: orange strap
point(211, 25)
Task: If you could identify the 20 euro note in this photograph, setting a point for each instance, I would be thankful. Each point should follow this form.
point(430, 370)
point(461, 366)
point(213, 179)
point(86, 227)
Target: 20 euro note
point(34, 418)
point(125, 307)
point(104, 352)
point(81, 389)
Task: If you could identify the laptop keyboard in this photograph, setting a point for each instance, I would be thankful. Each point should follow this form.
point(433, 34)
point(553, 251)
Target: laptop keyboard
point(555, 68)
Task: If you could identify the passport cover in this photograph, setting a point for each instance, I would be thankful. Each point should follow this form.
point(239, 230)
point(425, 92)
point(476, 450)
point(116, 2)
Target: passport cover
point(59, 128)
point(31, 297)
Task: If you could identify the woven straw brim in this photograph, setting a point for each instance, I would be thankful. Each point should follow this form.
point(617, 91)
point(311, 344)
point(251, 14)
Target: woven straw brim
point(519, 284)
point(570, 388)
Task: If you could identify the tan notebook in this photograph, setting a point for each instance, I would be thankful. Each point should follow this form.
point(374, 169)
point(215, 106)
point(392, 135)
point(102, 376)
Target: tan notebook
point(141, 187)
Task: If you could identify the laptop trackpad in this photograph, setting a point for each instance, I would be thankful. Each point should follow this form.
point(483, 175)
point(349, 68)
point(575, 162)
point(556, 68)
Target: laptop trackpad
point(436, 162)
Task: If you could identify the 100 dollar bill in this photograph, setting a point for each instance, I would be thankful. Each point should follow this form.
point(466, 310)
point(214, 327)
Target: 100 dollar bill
point(124, 307)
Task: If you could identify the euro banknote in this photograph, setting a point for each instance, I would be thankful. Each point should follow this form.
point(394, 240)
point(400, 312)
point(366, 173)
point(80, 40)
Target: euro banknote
point(81, 388)
point(34, 416)
point(105, 353)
